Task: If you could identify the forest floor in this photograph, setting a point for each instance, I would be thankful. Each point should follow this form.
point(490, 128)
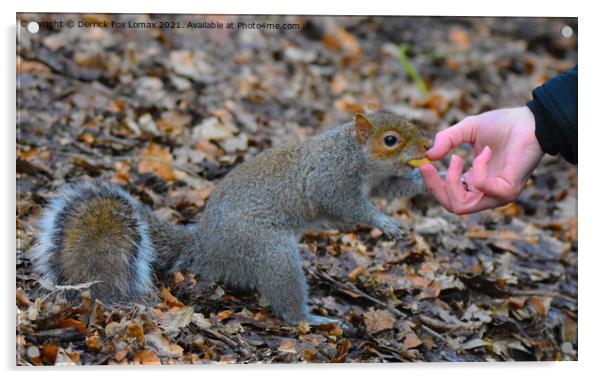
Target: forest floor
point(167, 112)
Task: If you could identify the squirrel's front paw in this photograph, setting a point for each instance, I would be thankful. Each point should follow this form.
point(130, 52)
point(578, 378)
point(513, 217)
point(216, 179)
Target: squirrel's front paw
point(389, 227)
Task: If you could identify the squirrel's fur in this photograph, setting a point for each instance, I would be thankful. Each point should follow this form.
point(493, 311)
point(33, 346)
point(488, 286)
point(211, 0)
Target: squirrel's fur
point(248, 233)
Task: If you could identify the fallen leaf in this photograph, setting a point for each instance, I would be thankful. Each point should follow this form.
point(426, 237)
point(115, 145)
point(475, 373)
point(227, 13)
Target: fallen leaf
point(304, 327)
point(224, 315)
point(417, 281)
point(348, 105)
point(146, 357)
point(340, 39)
point(541, 304)
point(212, 128)
point(63, 359)
point(69, 322)
point(136, 331)
point(411, 341)
point(288, 347)
point(31, 67)
point(22, 298)
point(359, 270)
point(342, 351)
point(170, 299)
point(93, 342)
point(199, 320)
point(162, 344)
point(460, 38)
point(49, 352)
point(173, 322)
point(502, 234)
point(173, 122)
point(157, 160)
point(379, 320)
point(474, 343)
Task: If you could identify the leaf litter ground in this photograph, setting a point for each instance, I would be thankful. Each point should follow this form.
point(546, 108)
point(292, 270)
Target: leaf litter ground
point(168, 112)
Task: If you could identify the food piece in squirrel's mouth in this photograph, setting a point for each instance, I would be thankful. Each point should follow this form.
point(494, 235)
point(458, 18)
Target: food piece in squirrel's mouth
point(418, 162)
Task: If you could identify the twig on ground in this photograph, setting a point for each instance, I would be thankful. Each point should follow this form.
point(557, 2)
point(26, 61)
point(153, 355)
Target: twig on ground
point(392, 309)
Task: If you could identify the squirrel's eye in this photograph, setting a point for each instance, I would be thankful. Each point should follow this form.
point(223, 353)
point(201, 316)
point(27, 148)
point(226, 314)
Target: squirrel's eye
point(390, 140)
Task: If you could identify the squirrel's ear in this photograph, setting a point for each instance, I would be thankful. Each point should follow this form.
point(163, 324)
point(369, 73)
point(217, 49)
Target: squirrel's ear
point(363, 127)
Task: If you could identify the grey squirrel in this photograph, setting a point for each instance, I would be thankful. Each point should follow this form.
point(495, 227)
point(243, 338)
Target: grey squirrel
point(247, 235)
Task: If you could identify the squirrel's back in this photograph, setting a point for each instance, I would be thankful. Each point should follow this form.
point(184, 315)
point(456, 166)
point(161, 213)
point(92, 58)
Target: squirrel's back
point(96, 232)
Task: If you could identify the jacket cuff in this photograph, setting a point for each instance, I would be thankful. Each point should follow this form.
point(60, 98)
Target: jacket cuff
point(545, 134)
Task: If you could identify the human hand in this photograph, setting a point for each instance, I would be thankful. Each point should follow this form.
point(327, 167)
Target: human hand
point(506, 153)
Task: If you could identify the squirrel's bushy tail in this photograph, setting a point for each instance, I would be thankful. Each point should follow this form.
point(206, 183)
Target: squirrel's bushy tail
point(95, 231)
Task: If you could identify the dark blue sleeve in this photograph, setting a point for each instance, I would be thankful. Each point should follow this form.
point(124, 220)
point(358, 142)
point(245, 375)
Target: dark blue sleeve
point(554, 106)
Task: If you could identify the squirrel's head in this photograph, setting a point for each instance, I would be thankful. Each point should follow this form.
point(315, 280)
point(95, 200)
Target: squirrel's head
point(390, 140)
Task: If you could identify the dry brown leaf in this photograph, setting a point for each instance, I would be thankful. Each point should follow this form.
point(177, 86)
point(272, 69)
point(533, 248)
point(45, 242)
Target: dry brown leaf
point(136, 331)
point(122, 173)
point(304, 327)
point(417, 281)
point(340, 39)
point(517, 302)
point(63, 359)
point(434, 102)
point(224, 315)
point(49, 352)
point(348, 105)
point(69, 322)
point(114, 328)
point(288, 347)
point(342, 351)
point(157, 160)
point(121, 354)
point(338, 84)
point(510, 210)
point(162, 345)
point(502, 234)
point(22, 298)
point(31, 67)
point(173, 122)
point(541, 304)
point(178, 278)
point(359, 270)
point(172, 322)
point(199, 320)
point(93, 342)
point(460, 38)
point(170, 299)
point(146, 357)
point(432, 291)
point(411, 341)
point(379, 320)
point(310, 356)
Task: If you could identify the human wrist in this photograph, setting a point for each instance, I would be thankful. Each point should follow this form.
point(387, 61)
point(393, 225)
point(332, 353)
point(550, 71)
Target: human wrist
point(529, 122)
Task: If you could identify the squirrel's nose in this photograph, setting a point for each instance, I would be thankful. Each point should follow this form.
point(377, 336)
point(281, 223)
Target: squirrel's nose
point(427, 143)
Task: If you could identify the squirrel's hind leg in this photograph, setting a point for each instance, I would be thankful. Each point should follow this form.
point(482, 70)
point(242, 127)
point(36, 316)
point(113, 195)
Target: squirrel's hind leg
point(281, 281)
point(280, 278)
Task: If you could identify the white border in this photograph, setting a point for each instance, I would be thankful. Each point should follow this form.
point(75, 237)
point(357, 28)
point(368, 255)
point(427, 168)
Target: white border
point(589, 173)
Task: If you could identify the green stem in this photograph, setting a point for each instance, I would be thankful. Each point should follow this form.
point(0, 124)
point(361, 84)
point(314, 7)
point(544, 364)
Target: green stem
point(414, 75)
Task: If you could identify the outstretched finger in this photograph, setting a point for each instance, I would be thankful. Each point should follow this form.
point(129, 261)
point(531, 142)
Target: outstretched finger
point(449, 139)
point(433, 181)
point(453, 182)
